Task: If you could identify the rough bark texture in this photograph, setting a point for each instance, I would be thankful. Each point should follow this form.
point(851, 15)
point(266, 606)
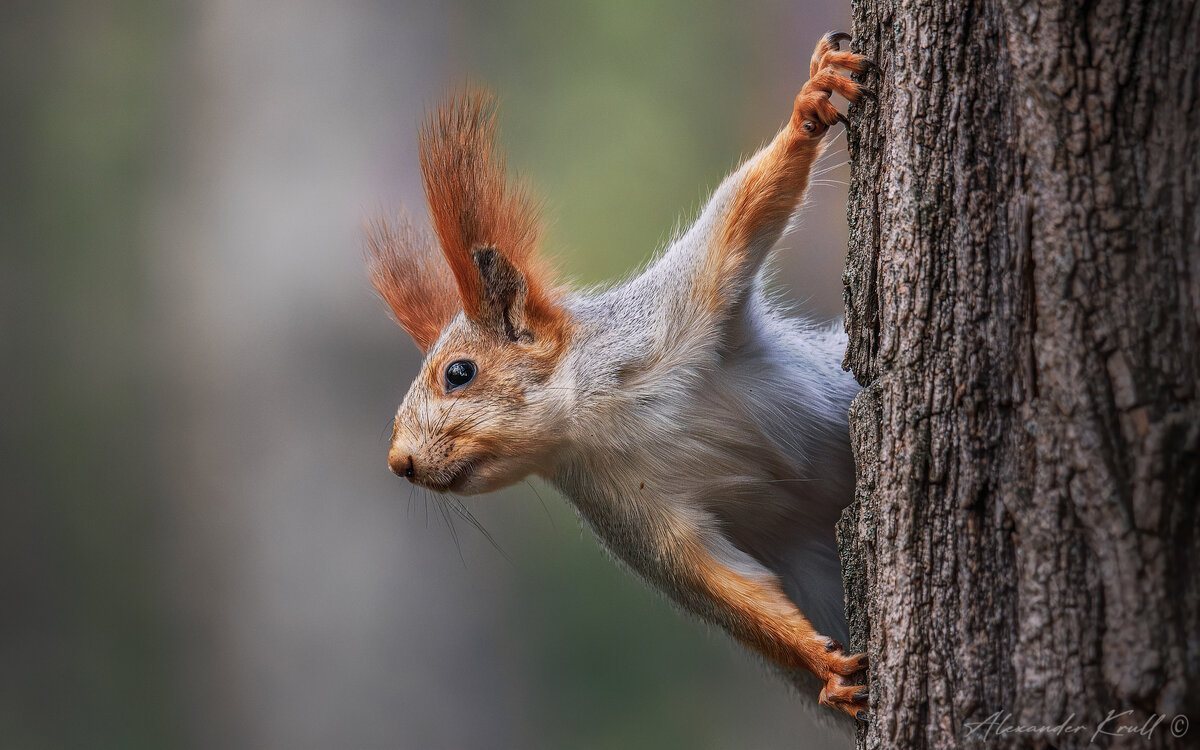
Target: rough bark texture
point(1023, 304)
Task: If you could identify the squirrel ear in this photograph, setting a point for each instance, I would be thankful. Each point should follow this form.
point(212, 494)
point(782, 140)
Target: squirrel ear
point(412, 278)
point(503, 290)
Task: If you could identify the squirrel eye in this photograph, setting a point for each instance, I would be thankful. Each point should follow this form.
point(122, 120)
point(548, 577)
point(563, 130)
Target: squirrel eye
point(459, 374)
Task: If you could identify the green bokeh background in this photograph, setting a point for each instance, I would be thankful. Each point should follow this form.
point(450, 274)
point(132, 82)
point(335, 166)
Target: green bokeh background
point(199, 543)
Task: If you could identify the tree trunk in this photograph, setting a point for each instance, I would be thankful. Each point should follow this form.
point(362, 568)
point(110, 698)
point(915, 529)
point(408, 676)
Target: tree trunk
point(1023, 305)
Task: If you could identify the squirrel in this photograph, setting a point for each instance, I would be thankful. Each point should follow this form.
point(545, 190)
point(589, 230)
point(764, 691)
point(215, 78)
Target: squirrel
point(698, 430)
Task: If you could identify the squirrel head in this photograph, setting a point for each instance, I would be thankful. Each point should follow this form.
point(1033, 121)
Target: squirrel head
point(486, 313)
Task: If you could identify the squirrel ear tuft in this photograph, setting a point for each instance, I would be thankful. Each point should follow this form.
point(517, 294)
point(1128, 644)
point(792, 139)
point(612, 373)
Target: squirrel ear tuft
point(475, 210)
point(411, 278)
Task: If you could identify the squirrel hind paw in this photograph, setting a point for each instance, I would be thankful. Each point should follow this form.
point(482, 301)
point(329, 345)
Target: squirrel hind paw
point(841, 691)
point(847, 697)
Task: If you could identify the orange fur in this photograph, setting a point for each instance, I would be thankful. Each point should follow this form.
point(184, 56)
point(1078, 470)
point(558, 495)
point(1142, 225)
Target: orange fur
point(768, 196)
point(763, 618)
point(411, 278)
point(472, 205)
point(775, 181)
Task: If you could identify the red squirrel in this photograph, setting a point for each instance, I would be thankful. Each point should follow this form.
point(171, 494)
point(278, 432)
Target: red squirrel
point(697, 429)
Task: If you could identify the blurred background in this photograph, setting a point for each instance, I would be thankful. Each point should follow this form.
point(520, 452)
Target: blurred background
point(200, 543)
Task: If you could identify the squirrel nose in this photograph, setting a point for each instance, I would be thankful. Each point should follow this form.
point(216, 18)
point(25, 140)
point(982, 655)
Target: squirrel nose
point(401, 464)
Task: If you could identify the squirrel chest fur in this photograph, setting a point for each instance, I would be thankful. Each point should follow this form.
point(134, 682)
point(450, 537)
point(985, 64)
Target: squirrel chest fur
point(699, 431)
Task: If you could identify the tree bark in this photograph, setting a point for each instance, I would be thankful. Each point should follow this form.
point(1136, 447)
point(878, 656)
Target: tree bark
point(1023, 307)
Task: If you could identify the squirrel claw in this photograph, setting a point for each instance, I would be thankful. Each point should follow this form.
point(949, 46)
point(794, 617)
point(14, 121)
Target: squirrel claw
point(837, 37)
point(863, 716)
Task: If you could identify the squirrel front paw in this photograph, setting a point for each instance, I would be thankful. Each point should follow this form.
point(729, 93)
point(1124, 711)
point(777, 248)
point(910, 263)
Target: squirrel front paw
point(814, 113)
point(840, 692)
